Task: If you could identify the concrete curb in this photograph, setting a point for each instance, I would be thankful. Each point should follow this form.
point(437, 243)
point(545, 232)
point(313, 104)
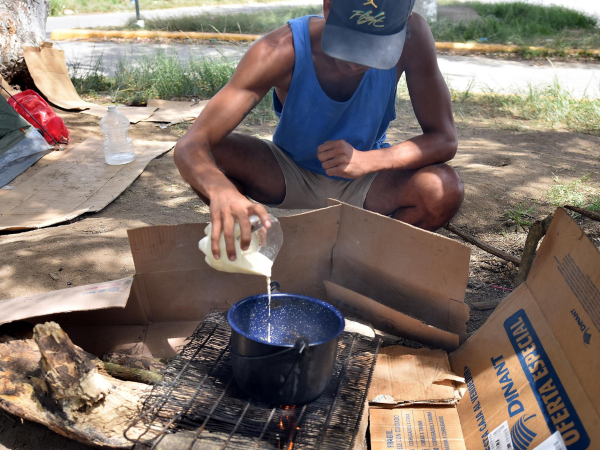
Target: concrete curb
point(459, 47)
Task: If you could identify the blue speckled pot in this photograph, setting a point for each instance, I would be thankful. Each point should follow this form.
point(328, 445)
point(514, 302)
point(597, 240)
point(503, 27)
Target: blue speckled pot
point(295, 367)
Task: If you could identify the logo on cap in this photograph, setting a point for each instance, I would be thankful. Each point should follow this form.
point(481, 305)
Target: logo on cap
point(368, 18)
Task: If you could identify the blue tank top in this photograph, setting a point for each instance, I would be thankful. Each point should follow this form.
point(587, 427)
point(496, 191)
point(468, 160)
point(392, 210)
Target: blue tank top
point(309, 117)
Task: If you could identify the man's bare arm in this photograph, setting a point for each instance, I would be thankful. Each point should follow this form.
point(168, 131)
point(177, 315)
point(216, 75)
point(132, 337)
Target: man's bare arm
point(432, 105)
point(266, 64)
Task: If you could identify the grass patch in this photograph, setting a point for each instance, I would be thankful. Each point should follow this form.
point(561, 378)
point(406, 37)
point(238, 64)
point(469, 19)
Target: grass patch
point(523, 24)
point(580, 193)
point(542, 106)
point(247, 23)
point(162, 75)
point(520, 215)
point(101, 6)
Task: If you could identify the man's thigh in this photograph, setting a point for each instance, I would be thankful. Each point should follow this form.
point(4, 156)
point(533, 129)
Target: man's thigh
point(251, 165)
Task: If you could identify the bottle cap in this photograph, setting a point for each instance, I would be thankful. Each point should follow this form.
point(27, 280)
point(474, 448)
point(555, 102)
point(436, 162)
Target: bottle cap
point(111, 107)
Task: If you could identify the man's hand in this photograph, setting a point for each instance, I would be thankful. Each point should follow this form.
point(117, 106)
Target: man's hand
point(226, 208)
point(340, 159)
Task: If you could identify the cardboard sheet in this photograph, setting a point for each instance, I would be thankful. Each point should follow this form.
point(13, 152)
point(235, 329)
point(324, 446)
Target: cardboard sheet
point(49, 71)
point(8, 87)
point(534, 364)
point(416, 429)
point(405, 376)
point(112, 294)
point(386, 319)
point(171, 111)
point(421, 274)
point(133, 113)
point(77, 181)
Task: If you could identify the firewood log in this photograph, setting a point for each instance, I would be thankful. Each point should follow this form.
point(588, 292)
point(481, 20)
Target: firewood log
point(51, 381)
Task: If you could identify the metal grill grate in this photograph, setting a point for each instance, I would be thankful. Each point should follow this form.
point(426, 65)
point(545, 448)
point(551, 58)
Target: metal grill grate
point(200, 406)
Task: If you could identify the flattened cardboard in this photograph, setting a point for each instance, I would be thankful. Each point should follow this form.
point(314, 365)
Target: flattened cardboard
point(531, 363)
point(171, 111)
point(432, 428)
point(77, 181)
point(404, 376)
point(133, 113)
point(8, 87)
point(112, 294)
point(421, 274)
point(48, 69)
point(387, 319)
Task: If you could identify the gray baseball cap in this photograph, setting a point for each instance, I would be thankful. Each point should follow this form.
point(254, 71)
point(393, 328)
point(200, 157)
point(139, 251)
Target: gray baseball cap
point(367, 32)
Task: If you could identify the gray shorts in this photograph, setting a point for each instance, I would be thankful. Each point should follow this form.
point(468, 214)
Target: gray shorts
point(308, 190)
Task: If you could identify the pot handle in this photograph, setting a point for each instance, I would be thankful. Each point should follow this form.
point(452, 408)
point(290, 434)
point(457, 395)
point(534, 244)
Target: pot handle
point(300, 345)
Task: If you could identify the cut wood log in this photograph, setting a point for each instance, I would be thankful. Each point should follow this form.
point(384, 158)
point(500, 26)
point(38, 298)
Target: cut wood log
point(51, 381)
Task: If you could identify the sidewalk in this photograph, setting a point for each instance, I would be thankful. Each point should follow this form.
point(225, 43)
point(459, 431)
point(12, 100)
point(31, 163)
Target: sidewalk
point(474, 73)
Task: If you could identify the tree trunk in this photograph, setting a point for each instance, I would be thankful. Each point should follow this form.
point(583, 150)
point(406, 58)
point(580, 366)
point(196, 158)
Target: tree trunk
point(23, 24)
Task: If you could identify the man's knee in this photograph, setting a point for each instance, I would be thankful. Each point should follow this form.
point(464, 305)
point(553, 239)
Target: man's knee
point(443, 193)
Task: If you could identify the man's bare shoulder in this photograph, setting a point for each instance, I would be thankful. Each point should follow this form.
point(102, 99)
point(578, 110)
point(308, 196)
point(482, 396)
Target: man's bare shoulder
point(419, 46)
point(274, 51)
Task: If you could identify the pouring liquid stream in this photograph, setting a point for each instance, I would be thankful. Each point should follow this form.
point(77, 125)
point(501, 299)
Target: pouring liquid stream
point(269, 319)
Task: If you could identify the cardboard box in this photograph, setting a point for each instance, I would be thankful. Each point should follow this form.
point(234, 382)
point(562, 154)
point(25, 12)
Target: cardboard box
point(533, 365)
point(420, 275)
point(531, 370)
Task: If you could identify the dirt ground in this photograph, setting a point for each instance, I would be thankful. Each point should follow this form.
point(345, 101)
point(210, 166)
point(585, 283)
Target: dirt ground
point(501, 165)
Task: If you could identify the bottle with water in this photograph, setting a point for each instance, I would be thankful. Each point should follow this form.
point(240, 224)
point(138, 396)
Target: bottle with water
point(118, 148)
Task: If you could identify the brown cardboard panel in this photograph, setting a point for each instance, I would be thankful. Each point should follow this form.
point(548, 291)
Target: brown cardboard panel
point(387, 319)
point(8, 87)
point(565, 282)
point(165, 339)
point(78, 181)
point(101, 339)
point(111, 294)
point(175, 249)
point(432, 428)
point(172, 111)
point(406, 375)
point(48, 69)
point(135, 114)
point(421, 274)
point(516, 371)
point(191, 294)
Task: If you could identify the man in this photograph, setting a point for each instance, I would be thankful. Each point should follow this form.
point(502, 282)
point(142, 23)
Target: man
point(334, 81)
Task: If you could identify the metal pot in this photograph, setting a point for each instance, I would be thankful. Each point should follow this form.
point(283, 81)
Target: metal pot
point(291, 363)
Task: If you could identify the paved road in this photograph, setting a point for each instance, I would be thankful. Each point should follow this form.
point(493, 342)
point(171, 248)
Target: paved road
point(477, 73)
point(121, 18)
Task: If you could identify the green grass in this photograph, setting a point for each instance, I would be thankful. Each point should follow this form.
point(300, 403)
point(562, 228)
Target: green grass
point(100, 6)
point(580, 193)
point(520, 215)
point(164, 75)
point(522, 24)
point(246, 23)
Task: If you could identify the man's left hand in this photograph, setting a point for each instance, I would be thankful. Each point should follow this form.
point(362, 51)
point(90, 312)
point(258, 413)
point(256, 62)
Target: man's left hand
point(340, 159)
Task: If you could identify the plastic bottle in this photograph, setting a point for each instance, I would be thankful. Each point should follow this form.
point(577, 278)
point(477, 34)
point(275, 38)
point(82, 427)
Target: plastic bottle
point(257, 260)
point(118, 148)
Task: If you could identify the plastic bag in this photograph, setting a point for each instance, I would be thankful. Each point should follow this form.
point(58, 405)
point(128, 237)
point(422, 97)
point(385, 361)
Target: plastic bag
point(43, 113)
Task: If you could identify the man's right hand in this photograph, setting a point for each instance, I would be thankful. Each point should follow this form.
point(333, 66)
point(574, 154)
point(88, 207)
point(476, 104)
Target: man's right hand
point(228, 206)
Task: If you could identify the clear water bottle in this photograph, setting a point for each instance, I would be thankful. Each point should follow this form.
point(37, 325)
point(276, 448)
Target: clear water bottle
point(118, 148)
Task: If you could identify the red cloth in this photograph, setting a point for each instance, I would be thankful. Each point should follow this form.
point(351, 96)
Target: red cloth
point(43, 113)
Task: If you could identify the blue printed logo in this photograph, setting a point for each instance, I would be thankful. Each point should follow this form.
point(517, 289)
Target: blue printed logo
point(521, 436)
point(552, 398)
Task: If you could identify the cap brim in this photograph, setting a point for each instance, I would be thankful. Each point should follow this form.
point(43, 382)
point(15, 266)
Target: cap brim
point(377, 51)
